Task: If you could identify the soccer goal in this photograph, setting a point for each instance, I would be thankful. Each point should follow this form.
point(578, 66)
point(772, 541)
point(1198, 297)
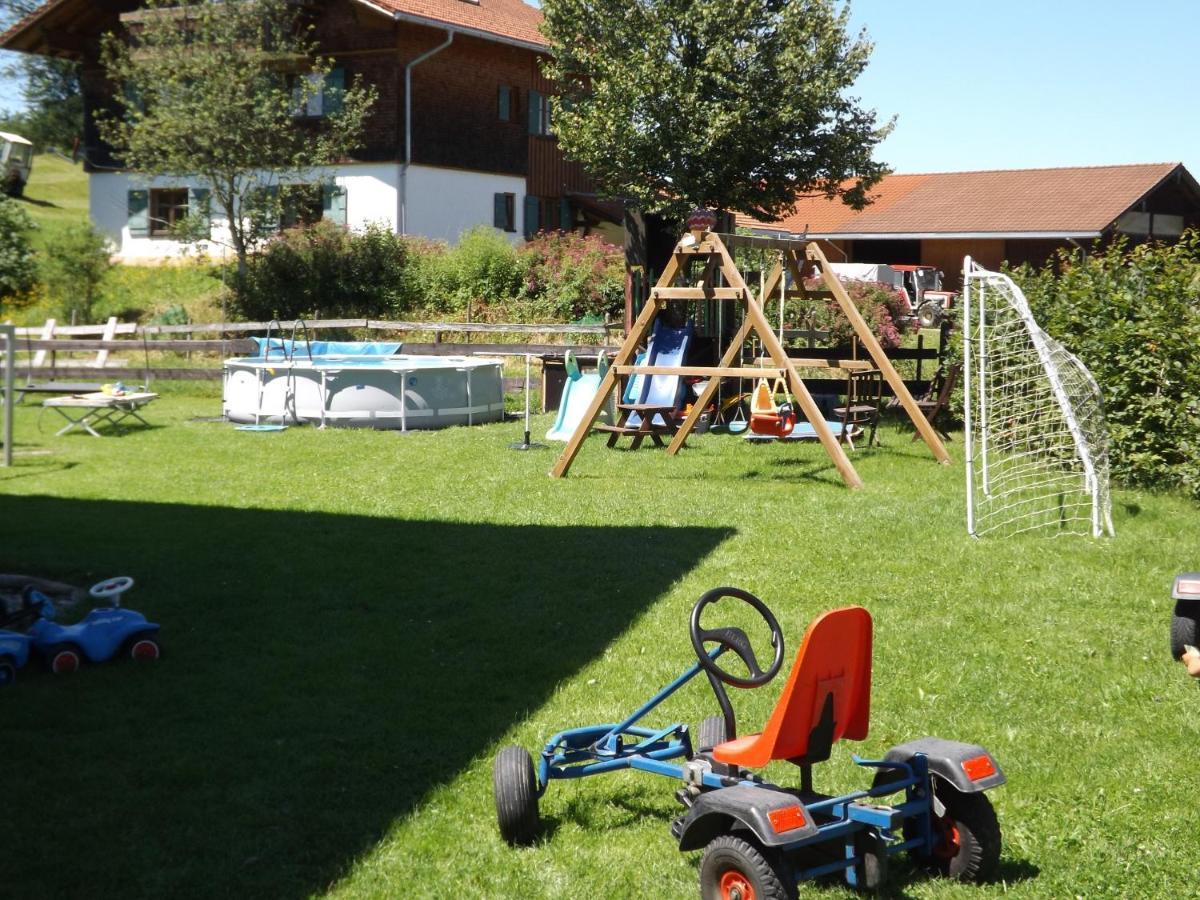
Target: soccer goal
point(1036, 439)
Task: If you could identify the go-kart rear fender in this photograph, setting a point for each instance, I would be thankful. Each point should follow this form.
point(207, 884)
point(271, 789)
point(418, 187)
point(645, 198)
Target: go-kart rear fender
point(775, 817)
point(967, 767)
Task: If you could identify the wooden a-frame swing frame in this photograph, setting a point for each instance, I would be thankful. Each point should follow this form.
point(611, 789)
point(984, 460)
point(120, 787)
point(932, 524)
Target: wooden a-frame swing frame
point(797, 258)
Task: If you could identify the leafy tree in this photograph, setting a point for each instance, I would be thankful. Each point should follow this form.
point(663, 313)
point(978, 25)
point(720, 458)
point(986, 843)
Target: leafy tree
point(737, 106)
point(76, 261)
point(18, 268)
point(49, 87)
point(218, 90)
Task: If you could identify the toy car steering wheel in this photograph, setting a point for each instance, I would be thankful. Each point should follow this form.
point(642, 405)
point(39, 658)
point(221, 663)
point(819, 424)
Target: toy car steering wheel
point(111, 587)
point(735, 639)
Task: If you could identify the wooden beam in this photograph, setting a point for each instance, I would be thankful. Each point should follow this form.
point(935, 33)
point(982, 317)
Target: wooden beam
point(697, 293)
point(703, 371)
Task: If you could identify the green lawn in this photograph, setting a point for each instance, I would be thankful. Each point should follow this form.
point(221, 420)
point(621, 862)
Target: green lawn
point(355, 622)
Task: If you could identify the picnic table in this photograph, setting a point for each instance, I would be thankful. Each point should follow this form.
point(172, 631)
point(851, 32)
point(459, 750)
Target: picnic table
point(89, 411)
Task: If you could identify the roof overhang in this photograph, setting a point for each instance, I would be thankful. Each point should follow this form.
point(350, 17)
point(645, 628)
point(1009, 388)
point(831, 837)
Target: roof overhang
point(463, 30)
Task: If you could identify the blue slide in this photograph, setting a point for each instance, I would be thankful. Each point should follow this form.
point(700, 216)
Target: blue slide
point(667, 347)
point(578, 393)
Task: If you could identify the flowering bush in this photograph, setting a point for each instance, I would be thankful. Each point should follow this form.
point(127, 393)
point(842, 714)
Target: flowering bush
point(884, 309)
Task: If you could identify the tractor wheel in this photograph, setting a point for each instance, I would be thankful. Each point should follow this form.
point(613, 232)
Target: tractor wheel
point(514, 787)
point(1185, 630)
point(8, 673)
point(967, 837)
point(144, 649)
point(735, 869)
point(710, 733)
point(63, 659)
point(929, 315)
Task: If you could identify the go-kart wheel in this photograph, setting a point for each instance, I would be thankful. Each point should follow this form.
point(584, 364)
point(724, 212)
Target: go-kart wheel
point(710, 733)
point(64, 659)
point(514, 787)
point(736, 869)
point(871, 872)
point(1185, 631)
point(144, 649)
point(735, 639)
point(967, 837)
point(8, 673)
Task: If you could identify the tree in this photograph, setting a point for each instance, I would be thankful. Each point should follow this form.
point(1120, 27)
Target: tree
point(223, 91)
point(18, 268)
point(49, 87)
point(736, 106)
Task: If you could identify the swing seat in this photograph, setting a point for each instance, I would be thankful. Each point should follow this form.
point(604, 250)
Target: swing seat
point(766, 418)
point(827, 696)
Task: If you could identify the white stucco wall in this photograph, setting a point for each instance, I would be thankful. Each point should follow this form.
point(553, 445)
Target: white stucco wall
point(441, 204)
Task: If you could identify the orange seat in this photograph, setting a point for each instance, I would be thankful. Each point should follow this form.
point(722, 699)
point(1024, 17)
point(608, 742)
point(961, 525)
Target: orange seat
point(827, 696)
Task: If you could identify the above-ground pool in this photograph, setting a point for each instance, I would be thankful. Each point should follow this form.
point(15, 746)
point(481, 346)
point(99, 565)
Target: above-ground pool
point(358, 386)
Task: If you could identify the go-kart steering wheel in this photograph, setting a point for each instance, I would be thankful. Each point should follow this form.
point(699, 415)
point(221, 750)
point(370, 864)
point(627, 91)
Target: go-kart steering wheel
point(111, 587)
point(735, 639)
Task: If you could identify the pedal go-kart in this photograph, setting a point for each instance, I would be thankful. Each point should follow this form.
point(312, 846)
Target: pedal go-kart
point(760, 839)
point(104, 633)
point(1185, 621)
point(14, 653)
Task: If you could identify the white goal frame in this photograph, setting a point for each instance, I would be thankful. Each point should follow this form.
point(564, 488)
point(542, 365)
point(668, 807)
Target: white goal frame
point(1036, 439)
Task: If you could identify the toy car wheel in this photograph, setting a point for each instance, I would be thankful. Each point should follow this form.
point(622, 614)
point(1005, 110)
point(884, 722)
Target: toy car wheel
point(1185, 631)
point(871, 872)
point(8, 673)
point(514, 787)
point(710, 733)
point(736, 869)
point(144, 649)
point(967, 837)
point(63, 660)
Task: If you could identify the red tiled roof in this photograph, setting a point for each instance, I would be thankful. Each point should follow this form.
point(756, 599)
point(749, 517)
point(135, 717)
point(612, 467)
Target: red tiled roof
point(512, 19)
point(1010, 201)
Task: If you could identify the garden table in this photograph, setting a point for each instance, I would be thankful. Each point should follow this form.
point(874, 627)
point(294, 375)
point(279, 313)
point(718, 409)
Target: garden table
point(88, 411)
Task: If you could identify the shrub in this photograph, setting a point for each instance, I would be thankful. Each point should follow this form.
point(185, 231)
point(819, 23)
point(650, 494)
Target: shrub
point(74, 266)
point(1133, 316)
point(882, 307)
point(574, 276)
point(327, 269)
point(18, 269)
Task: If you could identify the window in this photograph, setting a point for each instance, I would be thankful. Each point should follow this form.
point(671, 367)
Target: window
point(539, 113)
point(505, 206)
point(320, 95)
point(168, 207)
point(506, 103)
point(301, 204)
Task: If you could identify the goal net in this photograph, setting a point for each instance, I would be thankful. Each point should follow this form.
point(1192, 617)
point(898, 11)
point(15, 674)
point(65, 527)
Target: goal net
point(1036, 439)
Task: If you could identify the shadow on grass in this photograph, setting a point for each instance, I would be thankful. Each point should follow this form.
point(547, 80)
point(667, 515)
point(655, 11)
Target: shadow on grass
point(322, 674)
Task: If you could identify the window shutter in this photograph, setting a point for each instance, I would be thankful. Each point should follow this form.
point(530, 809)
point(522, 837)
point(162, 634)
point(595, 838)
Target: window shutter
point(504, 104)
point(535, 112)
point(333, 203)
point(566, 216)
point(335, 87)
point(138, 206)
point(200, 206)
point(500, 211)
point(532, 216)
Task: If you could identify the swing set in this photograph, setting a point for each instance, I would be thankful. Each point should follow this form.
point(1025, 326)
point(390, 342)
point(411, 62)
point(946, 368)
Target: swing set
point(702, 269)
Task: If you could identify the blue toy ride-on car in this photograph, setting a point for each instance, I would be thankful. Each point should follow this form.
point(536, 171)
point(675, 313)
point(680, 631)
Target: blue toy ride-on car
point(14, 653)
point(760, 839)
point(104, 633)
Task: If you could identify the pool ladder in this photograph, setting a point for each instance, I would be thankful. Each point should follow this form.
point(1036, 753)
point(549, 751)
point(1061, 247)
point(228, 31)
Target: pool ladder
point(288, 355)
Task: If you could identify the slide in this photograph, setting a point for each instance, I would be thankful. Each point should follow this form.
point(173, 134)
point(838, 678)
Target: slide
point(667, 347)
point(578, 392)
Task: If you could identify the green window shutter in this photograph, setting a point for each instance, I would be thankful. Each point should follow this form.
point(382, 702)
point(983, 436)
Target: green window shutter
point(535, 112)
point(566, 216)
point(335, 87)
point(500, 211)
point(504, 104)
point(333, 203)
point(200, 206)
point(139, 213)
point(532, 216)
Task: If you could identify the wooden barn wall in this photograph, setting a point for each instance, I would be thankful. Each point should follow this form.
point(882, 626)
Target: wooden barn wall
point(550, 173)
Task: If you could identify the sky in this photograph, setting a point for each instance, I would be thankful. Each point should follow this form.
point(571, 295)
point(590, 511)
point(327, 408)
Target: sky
point(1022, 84)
